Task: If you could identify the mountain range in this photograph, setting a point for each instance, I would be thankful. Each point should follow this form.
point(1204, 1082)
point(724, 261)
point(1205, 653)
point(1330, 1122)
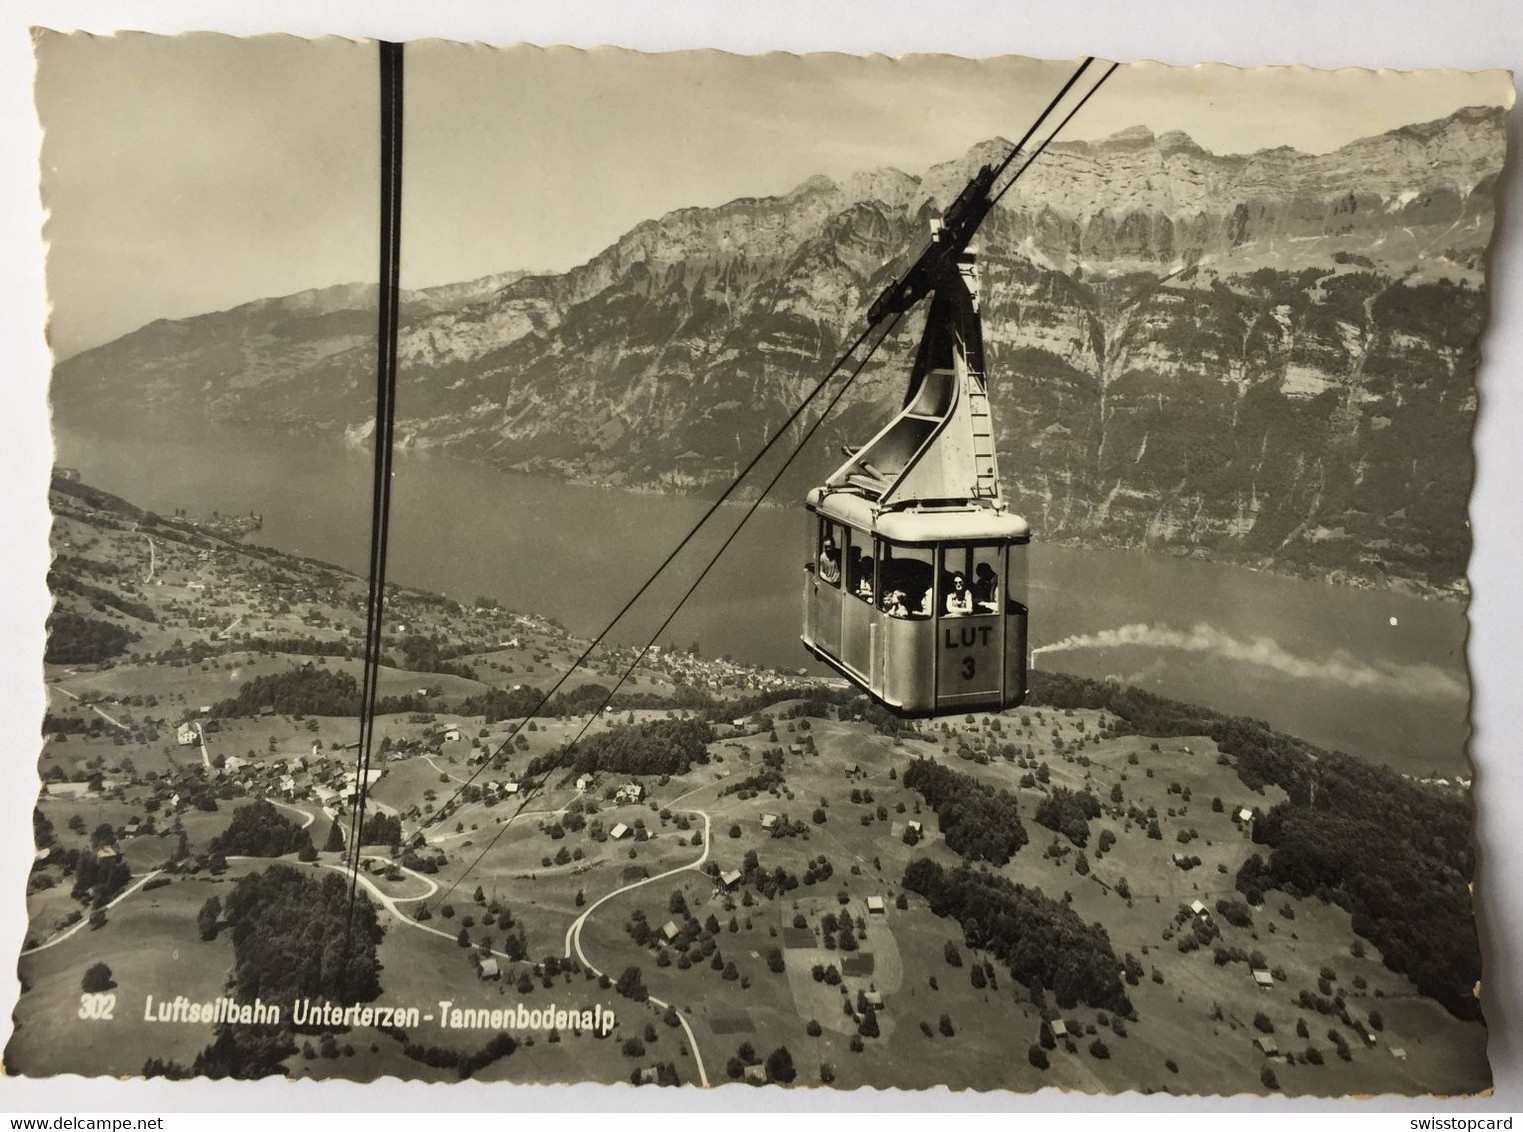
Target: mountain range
point(1265, 358)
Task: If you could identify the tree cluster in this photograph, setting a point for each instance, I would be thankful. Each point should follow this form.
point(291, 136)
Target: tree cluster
point(1043, 941)
point(260, 830)
point(977, 821)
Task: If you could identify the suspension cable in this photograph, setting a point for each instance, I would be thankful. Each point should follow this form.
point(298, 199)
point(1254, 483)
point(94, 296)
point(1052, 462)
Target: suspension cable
point(713, 508)
point(388, 294)
point(565, 754)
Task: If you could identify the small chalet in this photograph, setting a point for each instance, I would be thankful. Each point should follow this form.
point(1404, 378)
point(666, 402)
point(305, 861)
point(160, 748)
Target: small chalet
point(489, 968)
point(730, 878)
point(174, 801)
point(108, 853)
point(452, 735)
point(914, 827)
point(795, 749)
point(1267, 1046)
point(873, 999)
point(1059, 1028)
point(670, 930)
point(1263, 978)
point(1398, 1053)
point(1245, 814)
point(875, 905)
point(756, 1075)
point(619, 832)
point(769, 820)
point(1200, 910)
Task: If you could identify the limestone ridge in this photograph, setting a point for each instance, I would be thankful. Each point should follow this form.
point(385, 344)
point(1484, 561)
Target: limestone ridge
point(1263, 357)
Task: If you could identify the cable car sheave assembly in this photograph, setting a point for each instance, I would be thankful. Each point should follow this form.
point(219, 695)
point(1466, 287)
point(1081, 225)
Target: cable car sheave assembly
point(920, 503)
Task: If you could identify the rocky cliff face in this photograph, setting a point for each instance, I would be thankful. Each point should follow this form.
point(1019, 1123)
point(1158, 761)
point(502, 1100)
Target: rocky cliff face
point(1266, 358)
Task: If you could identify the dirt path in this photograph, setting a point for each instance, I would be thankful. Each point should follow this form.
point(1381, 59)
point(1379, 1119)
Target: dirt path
point(296, 810)
point(390, 903)
point(111, 719)
point(69, 931)
point(574, 932)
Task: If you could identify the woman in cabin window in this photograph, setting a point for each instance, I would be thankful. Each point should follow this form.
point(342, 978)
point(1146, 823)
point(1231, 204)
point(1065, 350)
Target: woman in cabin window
point(959, 597)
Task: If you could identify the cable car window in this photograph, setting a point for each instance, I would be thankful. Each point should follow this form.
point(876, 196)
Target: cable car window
point(906, 580)
point(859, 565)
point(1015, 587)
point(985, 581)
point(956, 581)
point(828, 569)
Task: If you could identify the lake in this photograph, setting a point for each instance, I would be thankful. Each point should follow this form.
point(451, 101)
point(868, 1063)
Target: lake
point(1378, 674)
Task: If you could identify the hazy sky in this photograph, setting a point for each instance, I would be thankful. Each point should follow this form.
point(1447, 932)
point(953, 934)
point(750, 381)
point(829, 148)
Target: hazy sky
point(194, 173)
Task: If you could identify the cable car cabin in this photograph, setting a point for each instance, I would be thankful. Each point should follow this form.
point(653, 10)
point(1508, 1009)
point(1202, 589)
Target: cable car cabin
point(915, 586)
point(923, 609)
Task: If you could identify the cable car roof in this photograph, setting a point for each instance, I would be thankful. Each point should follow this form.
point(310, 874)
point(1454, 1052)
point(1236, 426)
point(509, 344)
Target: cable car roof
point(958, 524)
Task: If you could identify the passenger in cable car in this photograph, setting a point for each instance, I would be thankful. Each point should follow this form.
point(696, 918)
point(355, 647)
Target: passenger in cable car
point(862, 577)
point(893, 604)
point(986, 587)
point(959, 597)
point(830, 562)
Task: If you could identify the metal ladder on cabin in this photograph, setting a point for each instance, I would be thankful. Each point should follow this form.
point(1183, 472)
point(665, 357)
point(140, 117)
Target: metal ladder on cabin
point(985, 464)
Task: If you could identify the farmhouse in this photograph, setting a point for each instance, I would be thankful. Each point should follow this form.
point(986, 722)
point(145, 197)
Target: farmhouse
point(489, 968)
point(874, 999)
point(769, 820)
point(914, 827)
point(186, 735)
point(1267, 1046)
point(875, 905)
point(619, 832)
point(1200, 910)
point(730, 878)
point(452, 735)
point(108, 853)
point(629, 792)
point(670, 930)
point(1059, 1028)
point(1263, 978)
point(584, 782)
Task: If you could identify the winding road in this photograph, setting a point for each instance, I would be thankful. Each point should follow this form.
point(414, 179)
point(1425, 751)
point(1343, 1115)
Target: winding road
point(390, 902)
point(69, 931)
point(574, 936)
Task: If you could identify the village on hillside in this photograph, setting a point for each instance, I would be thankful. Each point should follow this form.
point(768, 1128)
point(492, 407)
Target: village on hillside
point(761, 876)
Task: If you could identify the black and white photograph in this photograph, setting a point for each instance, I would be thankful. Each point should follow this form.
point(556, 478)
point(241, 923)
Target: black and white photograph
point(811, 571)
